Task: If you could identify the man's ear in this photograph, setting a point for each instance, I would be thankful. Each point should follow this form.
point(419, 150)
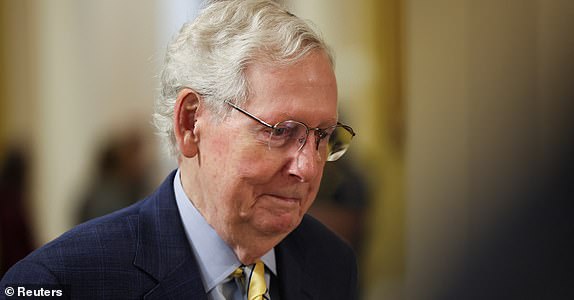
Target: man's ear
point(184, 118)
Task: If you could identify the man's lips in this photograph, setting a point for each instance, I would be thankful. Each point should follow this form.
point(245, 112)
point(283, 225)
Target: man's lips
point(282, 200)
point(286, 198)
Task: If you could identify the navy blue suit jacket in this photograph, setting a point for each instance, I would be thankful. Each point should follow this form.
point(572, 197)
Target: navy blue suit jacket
point(142, 252)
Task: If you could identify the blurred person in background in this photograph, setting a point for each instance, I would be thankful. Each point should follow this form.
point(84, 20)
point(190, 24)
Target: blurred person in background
point(15, 235)
point(120, 178)
point(248, 106)
point(342, 201)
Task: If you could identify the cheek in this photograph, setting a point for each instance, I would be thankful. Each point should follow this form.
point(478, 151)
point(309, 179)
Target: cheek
point(242, 170)
point(255, 164)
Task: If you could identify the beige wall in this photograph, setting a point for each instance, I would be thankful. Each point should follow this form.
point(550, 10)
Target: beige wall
point(486, 81)
point(77, 72)
point(95, 76)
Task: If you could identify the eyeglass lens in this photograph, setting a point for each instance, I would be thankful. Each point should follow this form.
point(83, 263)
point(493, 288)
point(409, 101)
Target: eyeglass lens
point(294, 134)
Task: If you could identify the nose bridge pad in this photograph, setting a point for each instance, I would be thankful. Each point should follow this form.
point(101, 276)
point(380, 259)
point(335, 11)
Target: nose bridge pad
point(317, 139)
point(303, 140)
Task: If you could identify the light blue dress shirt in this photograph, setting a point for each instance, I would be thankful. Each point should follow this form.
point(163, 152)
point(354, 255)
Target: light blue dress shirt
point(215, 258)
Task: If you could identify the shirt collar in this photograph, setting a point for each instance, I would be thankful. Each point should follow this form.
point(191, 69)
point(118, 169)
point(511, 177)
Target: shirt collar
point(215, 258)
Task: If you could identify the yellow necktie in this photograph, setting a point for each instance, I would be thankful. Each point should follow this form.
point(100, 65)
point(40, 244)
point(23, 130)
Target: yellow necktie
point(257, 285)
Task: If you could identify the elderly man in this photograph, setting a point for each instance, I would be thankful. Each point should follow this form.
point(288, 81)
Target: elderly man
point(248, 106)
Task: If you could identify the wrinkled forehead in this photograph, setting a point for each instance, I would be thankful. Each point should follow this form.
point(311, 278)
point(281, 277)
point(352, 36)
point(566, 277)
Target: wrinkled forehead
point(305, 90)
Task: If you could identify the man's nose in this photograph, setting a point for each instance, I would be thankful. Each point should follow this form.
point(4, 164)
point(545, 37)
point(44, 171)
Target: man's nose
point(306, 163)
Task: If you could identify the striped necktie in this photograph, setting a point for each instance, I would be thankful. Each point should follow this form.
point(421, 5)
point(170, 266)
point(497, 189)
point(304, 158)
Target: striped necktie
point(257, 287)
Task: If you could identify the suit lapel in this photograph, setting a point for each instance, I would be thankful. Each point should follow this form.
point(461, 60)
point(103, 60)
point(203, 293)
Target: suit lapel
point(163, 250)
point(294, 282)
point(183, 283)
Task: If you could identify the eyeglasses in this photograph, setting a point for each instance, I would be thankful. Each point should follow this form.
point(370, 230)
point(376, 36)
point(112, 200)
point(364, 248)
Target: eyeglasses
point(293, 134)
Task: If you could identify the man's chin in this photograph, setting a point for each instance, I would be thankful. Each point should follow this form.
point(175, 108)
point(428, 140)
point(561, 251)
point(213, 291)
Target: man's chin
point(278, 225)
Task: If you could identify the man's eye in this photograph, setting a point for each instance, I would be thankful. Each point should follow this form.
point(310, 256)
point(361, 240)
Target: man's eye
point(281, 132)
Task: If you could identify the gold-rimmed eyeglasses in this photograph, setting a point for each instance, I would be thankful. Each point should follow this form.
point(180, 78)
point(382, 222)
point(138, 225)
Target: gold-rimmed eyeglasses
point(286, 134)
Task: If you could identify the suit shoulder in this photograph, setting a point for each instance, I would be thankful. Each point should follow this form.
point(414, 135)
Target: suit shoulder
point(118, 225)
point(111, 237)
point(325, 259)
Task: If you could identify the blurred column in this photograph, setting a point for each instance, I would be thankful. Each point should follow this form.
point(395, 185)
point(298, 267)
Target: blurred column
point(3, 57)
point(15, 95)
point(17, 117)
point(436, 94)
point(366, 36)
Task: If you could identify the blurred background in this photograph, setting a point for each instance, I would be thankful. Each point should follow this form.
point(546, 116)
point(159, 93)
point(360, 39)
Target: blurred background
point(458, 185)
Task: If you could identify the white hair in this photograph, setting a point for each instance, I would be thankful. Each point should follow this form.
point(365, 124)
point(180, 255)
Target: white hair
point(210, 54)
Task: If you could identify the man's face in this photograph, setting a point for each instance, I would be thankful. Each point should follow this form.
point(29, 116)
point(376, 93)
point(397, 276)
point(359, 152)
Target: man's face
point(248, 189)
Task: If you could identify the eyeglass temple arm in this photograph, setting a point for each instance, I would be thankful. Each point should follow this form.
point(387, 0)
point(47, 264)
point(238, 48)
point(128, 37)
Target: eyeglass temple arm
point(249, 115)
